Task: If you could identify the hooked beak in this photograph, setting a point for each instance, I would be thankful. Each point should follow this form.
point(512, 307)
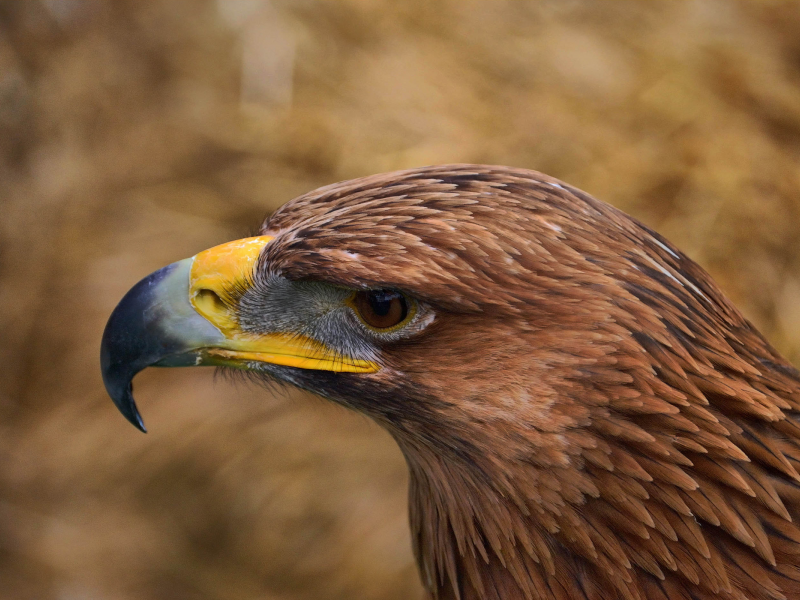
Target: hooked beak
point(185, 315)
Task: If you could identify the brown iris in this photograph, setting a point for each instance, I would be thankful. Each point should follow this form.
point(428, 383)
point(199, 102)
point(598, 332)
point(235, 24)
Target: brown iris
point(381, 309)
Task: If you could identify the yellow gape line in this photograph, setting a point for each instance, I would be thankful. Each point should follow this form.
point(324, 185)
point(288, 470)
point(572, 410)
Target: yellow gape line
point(218, 270)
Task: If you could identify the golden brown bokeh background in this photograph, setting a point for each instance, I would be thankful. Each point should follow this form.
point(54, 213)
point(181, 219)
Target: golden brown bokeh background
point(135, 133)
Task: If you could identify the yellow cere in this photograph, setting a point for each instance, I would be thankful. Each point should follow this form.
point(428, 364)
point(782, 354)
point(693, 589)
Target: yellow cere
point(218, 269)
point(215, 270)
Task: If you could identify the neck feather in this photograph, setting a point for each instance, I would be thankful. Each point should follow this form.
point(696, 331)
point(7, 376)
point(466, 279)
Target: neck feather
point(482, 538)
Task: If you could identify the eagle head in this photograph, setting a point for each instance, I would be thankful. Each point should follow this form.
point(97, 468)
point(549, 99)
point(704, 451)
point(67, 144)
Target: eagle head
point(583, 413)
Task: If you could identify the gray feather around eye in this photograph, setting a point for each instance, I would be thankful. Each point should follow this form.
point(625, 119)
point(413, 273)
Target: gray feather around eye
point(319, 311)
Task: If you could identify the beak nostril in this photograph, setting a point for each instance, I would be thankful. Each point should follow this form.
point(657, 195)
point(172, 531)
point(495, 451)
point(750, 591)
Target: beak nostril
point(209, 299)
point(214, 307)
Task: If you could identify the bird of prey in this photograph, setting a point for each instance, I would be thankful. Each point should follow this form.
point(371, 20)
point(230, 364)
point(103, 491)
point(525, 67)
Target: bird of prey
point(583, 413)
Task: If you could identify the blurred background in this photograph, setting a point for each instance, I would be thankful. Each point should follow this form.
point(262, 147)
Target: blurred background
point(135, 133)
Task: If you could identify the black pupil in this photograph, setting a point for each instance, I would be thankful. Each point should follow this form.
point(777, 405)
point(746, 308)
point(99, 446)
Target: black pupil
point(381, 302)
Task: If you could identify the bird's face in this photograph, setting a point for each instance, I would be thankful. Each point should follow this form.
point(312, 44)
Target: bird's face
point(455, 309)
point(227, 307)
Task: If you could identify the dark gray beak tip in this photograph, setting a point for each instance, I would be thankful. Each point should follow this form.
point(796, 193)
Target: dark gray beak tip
point(131, 342)
point(135, 418)
point(117, 379)
point(127, 406)
point(132, 413)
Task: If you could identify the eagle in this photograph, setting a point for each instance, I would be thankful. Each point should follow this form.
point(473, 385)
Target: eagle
point(583, 413)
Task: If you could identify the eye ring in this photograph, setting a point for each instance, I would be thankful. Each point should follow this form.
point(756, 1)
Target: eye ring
point(382, 310)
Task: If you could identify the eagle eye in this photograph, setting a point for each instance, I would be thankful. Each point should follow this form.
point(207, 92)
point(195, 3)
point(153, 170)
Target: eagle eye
point(381, 309)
